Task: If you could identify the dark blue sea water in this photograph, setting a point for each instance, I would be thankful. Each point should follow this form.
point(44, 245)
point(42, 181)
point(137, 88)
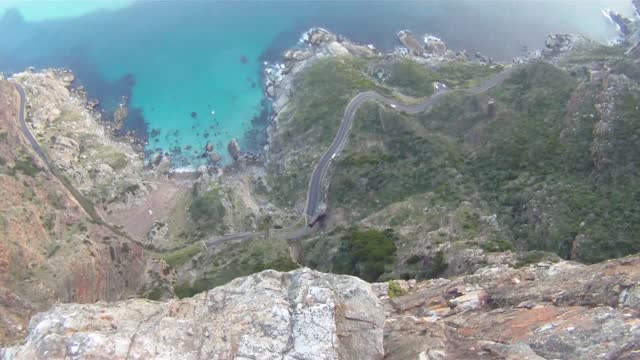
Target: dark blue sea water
point(179, 62)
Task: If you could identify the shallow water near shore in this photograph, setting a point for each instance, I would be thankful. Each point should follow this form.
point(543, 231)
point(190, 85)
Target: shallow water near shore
point(192, 70)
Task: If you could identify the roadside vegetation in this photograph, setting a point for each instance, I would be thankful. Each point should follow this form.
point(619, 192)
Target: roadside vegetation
point(411, 78)
point(536, 162)
point(320, 95)
point(526, 173)
point(232, 260)
point(367, 254)
point(207, 213)
point(416, 80)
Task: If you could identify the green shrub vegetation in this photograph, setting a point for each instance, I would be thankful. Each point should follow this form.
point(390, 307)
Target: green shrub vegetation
point(207, 213)
point(179, 257)
point(365, 253)
point(404, 161)
point(394, 290)
point(532, 257)
point(282, 263)
point(53, 250)
point(25, 166)
point(321, 92)
point(412, 78)
point(553, 183)
point(155, 294)
point(460, 74)
point(117, 160)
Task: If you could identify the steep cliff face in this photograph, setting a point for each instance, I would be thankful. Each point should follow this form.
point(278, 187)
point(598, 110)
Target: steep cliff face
point(50, 250)
point(543, 311)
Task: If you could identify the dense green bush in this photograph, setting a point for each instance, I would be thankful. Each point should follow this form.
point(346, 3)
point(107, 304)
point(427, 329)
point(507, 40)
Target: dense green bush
point(365, 253)
point(412, 78)
point(394, 290)
point(279, 264)
point(464, 74)
point(207, 212)
point(25, 166)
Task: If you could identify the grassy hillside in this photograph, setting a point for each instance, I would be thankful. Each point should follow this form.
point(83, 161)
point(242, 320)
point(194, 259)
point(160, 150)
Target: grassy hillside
point(551, 165)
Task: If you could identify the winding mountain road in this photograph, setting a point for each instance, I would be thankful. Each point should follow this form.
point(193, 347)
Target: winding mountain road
point(319, 172)
point(80, 199)
point(314, 190)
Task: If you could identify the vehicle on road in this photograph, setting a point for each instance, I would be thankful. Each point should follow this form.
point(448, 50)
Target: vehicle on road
point(317, 218)
point(393, 106)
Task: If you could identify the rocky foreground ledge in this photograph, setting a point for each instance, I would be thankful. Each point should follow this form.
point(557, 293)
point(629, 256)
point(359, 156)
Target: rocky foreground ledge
point(542, 311)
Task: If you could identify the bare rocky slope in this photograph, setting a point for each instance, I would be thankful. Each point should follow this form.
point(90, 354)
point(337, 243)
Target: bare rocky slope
point(543, 311)
point(50, 249)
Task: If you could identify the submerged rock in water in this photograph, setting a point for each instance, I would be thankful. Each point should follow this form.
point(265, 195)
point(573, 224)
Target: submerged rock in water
point(215, 157)
point(234, 149)
point(119, 115)
point(157, 158)
point(194, 114)
point(243, 59)
point(209, 147)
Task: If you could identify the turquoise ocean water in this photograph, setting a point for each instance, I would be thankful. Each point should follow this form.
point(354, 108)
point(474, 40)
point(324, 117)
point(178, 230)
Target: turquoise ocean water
point(178, 62)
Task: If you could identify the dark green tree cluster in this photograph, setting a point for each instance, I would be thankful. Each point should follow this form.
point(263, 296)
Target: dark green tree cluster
point(365, 253)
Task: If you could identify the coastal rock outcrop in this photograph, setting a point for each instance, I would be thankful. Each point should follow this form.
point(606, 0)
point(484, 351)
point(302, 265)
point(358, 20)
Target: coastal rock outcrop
point(557, 44)
point(318, 36)
point(80, 142)
point(215, 157)
point(317, 43)
point(622, 23)
point(234, 149)
point(303, 314)
point(434, 45)
point(411, 43)
point(119, 115)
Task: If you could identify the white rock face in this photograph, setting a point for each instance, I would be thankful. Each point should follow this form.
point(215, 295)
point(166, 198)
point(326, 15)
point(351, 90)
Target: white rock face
point(303, 314)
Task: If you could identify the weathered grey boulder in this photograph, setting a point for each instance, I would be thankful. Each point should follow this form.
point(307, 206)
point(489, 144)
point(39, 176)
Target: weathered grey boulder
point(302, 314)
point(435, 45)
point(215, 157)
point(234, 149)
point(411, 43)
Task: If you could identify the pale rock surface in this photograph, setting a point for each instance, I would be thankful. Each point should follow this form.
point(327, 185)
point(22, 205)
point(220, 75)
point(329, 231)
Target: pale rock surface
point(303, 314)
point(80, 142)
